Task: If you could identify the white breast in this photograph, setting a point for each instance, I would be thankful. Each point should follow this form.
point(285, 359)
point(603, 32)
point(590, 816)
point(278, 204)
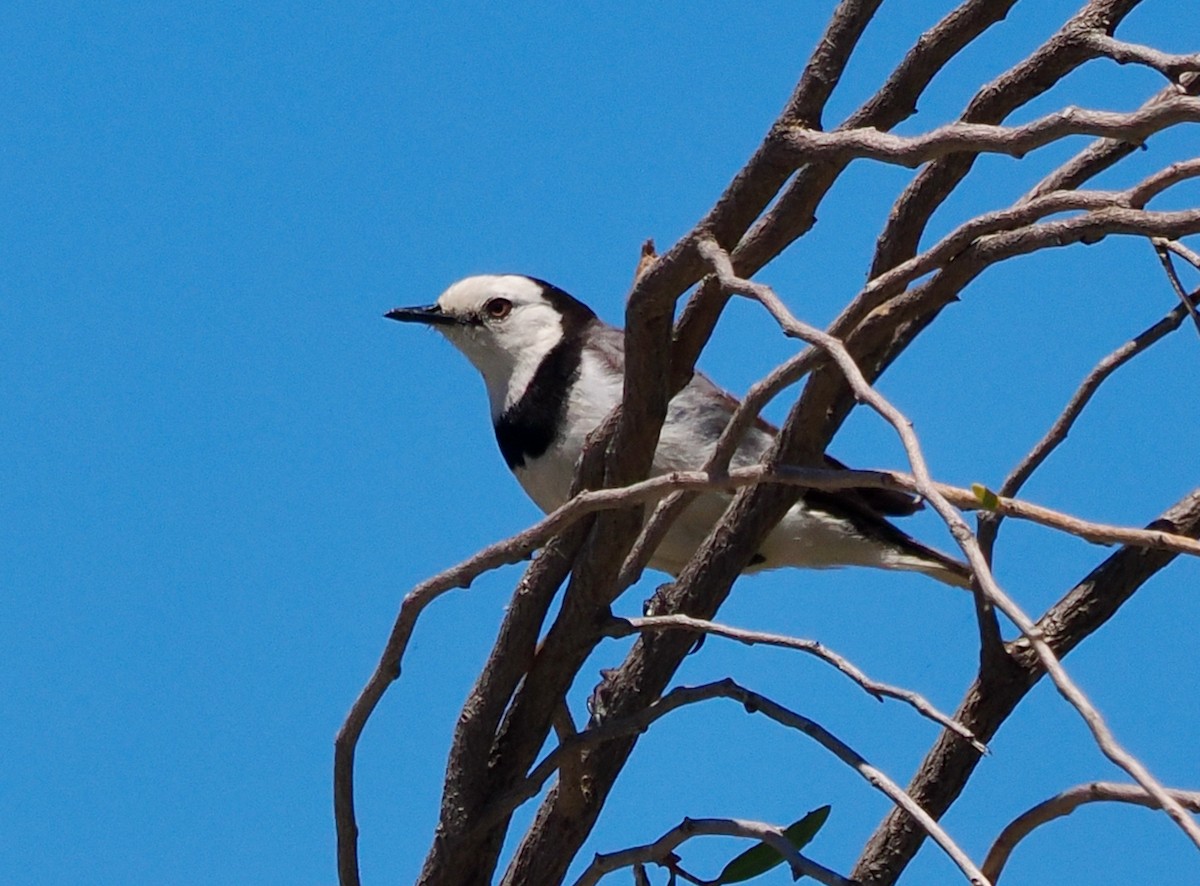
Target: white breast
point(547, 479)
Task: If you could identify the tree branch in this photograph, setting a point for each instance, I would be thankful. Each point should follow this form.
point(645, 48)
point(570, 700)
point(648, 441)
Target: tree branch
point(519, 695)
point(808, 145)
point(1163, 248)
point(661, 850)
point(1061, 54)
point(994, 695)
point(1066, 420)
point(1103, 736)
point(1066, 803)
point(754, 703)
point(1169, 65)
point(623, 627)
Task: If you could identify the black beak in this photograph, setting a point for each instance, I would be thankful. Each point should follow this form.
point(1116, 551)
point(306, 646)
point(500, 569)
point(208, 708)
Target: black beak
point(430, 315)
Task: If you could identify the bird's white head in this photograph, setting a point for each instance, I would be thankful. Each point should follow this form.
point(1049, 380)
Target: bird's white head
point(505, 325)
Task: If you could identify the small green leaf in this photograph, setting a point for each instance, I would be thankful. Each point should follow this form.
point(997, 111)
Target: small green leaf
point(986, 497)
point(761, 858)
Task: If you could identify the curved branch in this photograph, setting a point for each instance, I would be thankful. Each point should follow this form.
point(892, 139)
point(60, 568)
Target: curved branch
point(1057, 57)
point(1168, 64)
point(1183, 252)
point(660, 850)
point(829, 60)
point(623, 627)
point(1023, 214)
point(842, 146)
point(637, 723)
point(1066, 420)
point(1066, 803)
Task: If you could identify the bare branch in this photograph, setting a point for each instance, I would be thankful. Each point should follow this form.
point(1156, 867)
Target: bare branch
point(1183, 252)
point(1150, 187)
point(1066, 803)
point(623, 627)
point(1103, 153)
point(754, 703)
point(564, 723)
point(1104, 738)
point(824, 478)
point(1097, 533)
point(660, 851)
point(1170, 66)
point(678, 485)
point(1033, 76)
point(996, 692)
point(1062, 425)
point(1163, 248)
point(1023, 214)
point(808, 145)
point(1089, 229)
point(829, 60)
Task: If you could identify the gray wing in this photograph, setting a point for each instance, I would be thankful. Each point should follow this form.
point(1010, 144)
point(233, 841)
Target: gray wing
point(608, 344)
point(704, 406)
point(762, 434)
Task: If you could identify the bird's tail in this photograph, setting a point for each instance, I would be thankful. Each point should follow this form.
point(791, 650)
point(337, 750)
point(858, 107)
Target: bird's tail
point(916, 557)
point(886, 545)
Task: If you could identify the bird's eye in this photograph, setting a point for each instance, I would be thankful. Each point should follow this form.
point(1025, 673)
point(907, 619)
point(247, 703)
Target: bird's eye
point(498, 308)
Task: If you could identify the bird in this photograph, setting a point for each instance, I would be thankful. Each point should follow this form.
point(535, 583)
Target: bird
point(553, 371)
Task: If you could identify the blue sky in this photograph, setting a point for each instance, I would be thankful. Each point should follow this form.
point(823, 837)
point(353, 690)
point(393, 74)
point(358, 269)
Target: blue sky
point(223, 469)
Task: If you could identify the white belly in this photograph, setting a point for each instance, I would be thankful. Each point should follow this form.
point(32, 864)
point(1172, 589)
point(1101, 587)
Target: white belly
point(803, 538)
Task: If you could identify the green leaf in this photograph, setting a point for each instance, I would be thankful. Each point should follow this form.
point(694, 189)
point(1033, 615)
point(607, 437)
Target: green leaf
point(761, 858)
point(986, 497)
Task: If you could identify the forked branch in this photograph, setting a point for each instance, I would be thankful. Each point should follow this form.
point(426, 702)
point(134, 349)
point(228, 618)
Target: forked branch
point(1103, 736)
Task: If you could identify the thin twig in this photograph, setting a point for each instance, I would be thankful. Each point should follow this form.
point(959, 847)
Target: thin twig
point(832, 479)
point(1102, 153)
point(621, 627)
point(1163, 249)
point(1183, 252)
point(754, 703)
point(660, 851)
point(1062, 425)
point(1066, 803)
